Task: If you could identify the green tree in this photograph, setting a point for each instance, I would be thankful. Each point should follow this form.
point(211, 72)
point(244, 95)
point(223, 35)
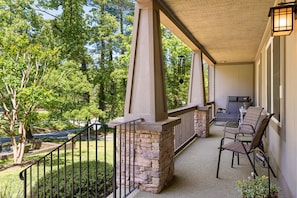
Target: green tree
point(85, 114)
point(25, 54)
point(110, 36)
point(177, 59)
point(96, 34)
point(69, 27)
point(69, 85)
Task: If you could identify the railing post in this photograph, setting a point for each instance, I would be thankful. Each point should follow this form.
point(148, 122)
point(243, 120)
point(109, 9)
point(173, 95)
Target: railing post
point(23, 176)
point(114, 181)
point(201, 121)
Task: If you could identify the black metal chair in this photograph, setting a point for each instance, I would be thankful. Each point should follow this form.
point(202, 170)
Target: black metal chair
point(241, 147)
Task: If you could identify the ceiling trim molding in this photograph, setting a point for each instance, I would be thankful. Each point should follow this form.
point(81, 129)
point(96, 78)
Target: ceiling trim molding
point(235, 63)
point(169, 13)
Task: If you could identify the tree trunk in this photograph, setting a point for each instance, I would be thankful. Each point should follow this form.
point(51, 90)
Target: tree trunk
point(28, 132)
point(102, 96)
point(19, 147)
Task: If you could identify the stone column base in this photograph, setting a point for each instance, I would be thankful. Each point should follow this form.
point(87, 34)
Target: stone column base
point(153, 153)
point(201, 122)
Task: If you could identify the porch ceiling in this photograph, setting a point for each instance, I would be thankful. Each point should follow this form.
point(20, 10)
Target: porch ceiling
point(230, 31)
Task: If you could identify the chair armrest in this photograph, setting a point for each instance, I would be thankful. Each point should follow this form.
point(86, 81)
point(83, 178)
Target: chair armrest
point(230, 125)
point(241, 131)
point(230, 138)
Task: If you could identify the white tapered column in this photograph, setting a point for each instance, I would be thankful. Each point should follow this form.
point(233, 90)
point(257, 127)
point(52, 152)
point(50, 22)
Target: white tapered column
point(196, 92)
point(145, 96)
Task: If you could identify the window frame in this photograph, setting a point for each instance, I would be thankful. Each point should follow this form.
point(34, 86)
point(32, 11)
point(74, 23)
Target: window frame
point(270, 89)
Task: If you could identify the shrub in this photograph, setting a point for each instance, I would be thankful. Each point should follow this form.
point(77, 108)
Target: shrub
point(6, 144)
point(27, 148)
point(36, 143)
point(6, 147)
point(256, 187)
point(62, 184)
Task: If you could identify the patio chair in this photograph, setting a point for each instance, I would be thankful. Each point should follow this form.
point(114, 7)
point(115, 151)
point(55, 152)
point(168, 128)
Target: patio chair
point(237, 146)
point(231, 113)
point(248, 124)
point(247, 127)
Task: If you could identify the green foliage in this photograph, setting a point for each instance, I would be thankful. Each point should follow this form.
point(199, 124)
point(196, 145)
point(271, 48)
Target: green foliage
point(76, 62)
point(11, 191)
point(69, 27)
point(206, 80)
point(6, 144)
point(87, 179)
point(10, 177)
point(255, 187)
point(49, 126)
point(69, 87)
point(84, 114)
point(26, 53)
point(177, 59)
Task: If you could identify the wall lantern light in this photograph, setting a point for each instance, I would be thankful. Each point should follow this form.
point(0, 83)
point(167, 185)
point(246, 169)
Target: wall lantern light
point(283, 18)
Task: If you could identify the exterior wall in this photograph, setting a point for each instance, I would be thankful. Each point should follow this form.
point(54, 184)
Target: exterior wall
point(288, 147)
point(237, 80)
point(281, 139)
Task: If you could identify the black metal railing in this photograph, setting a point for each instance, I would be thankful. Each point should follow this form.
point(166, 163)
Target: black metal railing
point(97, 162)
point(125, 157)
point(86, 165)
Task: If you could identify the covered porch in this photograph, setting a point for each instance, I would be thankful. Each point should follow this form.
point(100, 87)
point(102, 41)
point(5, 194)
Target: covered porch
point(195, 171)
point(244, 59)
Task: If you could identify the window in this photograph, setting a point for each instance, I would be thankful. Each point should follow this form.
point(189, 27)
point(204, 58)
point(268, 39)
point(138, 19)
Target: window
point(208, 75)
point(273, 77)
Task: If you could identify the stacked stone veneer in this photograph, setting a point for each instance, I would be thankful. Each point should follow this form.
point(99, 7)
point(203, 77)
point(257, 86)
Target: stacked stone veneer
point(151, 158)
point(201, 122)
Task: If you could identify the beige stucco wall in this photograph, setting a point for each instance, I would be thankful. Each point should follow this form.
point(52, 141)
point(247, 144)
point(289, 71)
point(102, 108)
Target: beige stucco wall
point(288, 153)
point(235, 80)
point(281, 139)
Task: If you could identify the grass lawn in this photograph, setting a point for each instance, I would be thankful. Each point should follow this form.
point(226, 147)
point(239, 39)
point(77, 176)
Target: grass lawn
point(12, 186)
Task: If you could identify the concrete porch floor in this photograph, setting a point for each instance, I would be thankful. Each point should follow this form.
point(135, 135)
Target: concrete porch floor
point(195, 172)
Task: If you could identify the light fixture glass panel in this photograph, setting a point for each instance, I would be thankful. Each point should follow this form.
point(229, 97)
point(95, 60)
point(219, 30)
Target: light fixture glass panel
point(282, 21)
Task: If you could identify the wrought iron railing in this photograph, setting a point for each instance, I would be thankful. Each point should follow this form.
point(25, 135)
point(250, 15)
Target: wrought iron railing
point(97, 162)
point(85, 165)
point(124, 160)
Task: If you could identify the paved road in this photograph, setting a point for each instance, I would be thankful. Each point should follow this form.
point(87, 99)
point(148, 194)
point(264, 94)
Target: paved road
point(54, 135)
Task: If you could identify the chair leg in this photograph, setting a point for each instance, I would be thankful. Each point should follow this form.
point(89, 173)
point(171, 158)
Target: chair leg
point(266, 158)
point(235, 137)
point(219, 160)
point(252, 164)
point(271, 170)
point(232, 159)
point(232, 162)
point(268, 164)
